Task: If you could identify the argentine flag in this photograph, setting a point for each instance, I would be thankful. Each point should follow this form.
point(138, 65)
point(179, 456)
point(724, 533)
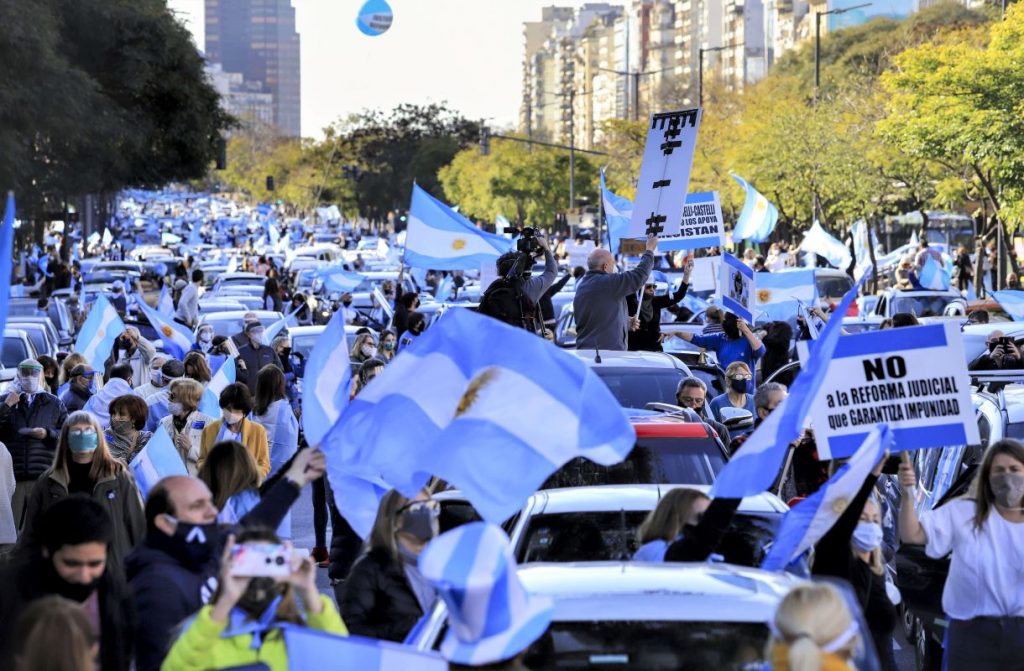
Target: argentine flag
point(157, 460)
point(1012, 302)
point(308, 648)
point(336, 278)
point(100, 330)
point(617, 213)
point(7, 258)
point(778, 295)
point(209, 404)
point(442, 239)
point(327, 381)
point(177, 341)
point(809, 521)
point(817, 240)
point(165, 304)
point(271, 331)
point(444, 288)
point(494, 415)
point(933, 276)
point(757, 218)
point(753, 468)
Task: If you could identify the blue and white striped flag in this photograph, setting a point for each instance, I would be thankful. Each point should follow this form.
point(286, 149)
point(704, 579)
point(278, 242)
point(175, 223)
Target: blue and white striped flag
point(808, 521)
point(444, 288)
point(933, 276)
point(757, 218)
point(225, 375)
point(176, 339)
point(165, 304)
point(271, 331)
point(754, 466)
point(336, 278)
point(819, 241)
point(442, 408)
point(100, 330)
point(327, 381)
point(6, 257)
point(617, 213)
point(785, 285)
point(158, 459)
point(309, 648)
point(1012, 302)
point(442, 239)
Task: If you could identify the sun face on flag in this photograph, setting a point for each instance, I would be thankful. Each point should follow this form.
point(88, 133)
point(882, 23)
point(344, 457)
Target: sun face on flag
point(764, 295)
point(839, 505)
point(166, 331)
point(760, 205)
point(458, 244)
point(101, 333)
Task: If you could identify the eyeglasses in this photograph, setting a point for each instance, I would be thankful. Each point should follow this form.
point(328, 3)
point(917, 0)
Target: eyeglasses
point(745, 378)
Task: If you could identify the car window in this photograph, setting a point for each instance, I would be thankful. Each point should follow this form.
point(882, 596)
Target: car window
point(636, 387)
point(14, 352)
point(303, 344)
point(1014, 430)
point(38, 339)
point(653, 461)
point(833, 287)
point(455, 514)
point(920, 306)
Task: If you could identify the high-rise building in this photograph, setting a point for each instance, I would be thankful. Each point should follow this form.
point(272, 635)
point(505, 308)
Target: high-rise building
point(257, 38)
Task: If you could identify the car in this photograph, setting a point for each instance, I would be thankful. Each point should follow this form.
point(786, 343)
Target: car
point(229, 323)
point(229, 279)
point(17, 347)
point(832, 285)
point(633, 616)
point(920, 303)
point(217, 304)
point(40, 331)
point(636, 378)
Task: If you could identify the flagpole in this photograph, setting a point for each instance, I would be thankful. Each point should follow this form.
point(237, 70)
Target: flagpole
point(600, 219)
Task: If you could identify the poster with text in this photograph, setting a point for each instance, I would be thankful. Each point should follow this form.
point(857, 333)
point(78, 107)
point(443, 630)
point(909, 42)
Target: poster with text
point(702, 225)
point(736, 287)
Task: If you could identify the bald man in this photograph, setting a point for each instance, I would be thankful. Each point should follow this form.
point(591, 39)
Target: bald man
point(602, 318)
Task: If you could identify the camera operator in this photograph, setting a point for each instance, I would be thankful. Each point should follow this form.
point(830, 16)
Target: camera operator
point(1001, 354)
point(514, 297)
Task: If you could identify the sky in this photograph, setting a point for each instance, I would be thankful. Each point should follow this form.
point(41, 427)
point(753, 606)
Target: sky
point(466, 52)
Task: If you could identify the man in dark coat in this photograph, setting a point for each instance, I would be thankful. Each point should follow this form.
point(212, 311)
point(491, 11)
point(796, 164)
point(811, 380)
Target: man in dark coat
point(80, 388)
point(647, 336)
point(599, 306)
point(253, 356)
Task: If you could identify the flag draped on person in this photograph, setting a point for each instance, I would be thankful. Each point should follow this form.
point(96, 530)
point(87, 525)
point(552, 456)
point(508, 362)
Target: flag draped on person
point(158, 459)
point(933, 276)
point(808, 521)
point(757, 218)
point(209, 404)
point(440, 238)
point(820, 242)
point(176, 339)
point(494, 415)
point(98, 333)
point(617, 213)
point(754, 467)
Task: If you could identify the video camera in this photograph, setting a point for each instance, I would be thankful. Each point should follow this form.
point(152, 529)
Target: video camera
point(526, 242)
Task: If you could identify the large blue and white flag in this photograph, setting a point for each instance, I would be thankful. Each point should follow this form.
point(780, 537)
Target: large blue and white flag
point(6, 258)
point(1012, 302)
point(309, 648)
point(176, 339)
point(817, 240)
point(808, 521)
point(861, 251)
point(617, 213)
point(271, 331)
point(327, 381)
point(494, 415)
point(757, 218)
point(442, 239)
point(225, 375)
point(785, 285)
point(165, 304)
point(158, 459)
point(336, 278)
point(100, 330)
point(754, 466)
point(933, 276)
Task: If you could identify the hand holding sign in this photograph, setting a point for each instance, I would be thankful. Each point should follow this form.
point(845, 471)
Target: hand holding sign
point(652, 243)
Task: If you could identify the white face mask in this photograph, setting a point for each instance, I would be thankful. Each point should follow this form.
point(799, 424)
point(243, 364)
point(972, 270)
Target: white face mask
point(369, 350)
point(206, 336)
point(867, 536)
point(175, 408)
point(232, 418)
point(157, 377)
point(30, 384)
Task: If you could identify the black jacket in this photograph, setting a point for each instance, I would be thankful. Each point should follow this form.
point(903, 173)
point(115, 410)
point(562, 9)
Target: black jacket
point(547, 308)
point(377, 600)
point(254, 358)
point(32, 456)
point(168, 589)
point(648, 337)
point(700, 542)
point(73, 400)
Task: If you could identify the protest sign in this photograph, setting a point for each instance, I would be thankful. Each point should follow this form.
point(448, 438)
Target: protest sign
point(736, 287)
point(702, 224)
point(578, 252)
point(705, 273)
point(914, 379)
point(664, 174)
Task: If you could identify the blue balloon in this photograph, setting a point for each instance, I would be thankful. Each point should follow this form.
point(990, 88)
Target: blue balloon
point(375, 17)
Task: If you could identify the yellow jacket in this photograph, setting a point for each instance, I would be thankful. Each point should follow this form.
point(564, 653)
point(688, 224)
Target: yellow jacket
point(201, 646)
point(254, 437)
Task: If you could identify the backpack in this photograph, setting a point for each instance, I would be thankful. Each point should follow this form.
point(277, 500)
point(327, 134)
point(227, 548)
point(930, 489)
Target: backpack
point(504, 300)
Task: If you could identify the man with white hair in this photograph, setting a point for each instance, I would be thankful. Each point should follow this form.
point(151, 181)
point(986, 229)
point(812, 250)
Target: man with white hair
point(131, 348)
point(602, 318)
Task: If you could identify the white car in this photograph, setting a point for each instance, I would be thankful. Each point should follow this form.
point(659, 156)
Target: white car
point(229, 323)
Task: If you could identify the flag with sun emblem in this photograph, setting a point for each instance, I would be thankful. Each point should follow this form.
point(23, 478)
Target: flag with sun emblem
point(494, 415)
point(757, 218)
point(96, 337)
point(176, 339)
point(778, 295)
point(440, 238)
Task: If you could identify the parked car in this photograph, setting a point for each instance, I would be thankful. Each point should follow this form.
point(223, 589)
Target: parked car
point(636, 378)
point(230, 322)
point(40, 331)
point(17, 347)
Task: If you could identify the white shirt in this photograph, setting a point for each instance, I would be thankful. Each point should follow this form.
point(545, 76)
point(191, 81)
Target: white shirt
point(188, 304)
point(986, 575)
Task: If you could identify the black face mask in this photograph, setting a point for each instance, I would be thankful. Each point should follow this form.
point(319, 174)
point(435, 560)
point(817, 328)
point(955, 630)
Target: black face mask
point(194, 545)
point(69, 590)
point(346, 303)
point(258, 596)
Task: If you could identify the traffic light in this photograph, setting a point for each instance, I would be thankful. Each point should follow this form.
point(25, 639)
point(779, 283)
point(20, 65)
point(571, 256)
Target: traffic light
point(270, 182)
point(485, 140)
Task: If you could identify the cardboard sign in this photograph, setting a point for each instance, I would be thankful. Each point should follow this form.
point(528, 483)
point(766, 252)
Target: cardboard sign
point(702, 225)
point(736, 287)
point(578, 253)
point(914, 379)
point(664, 174)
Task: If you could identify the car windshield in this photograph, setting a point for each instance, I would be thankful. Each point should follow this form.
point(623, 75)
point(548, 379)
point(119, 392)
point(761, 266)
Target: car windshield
point(920, 306)
point(636, 387)
point(653, 461)
point(650, 645)
point(833, 287)
point(14, 352)
point(229, 327)
point(38, 339)
point(612, 535)
point(304, 344)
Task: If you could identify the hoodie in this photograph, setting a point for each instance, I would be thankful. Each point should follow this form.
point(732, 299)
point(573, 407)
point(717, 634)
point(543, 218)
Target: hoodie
point(99, 404)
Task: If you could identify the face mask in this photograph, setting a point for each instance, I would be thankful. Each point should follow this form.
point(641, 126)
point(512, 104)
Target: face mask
point(72, 590)
point(206, 337)
point(1008, 489)
point(29, 385)
point(175, 408)
point(420, 522)
point(346, 303)
point(738, 386)
point(389, 345)
point(156, 377)
point(232, 418)
point(260, 595)
point(122, 427)
point(194, 544)
point(867, 536)
point(256, 336)
point(92, 385)
point(369, 351)
point(83, 442)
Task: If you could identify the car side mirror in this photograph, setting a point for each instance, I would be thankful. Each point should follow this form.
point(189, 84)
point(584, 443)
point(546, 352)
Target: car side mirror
point(736, 418)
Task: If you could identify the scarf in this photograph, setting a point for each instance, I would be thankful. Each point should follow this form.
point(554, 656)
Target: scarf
point(829, 661)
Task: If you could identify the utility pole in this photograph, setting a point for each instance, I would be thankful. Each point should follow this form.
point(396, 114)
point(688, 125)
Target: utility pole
point(572, 149)
point(700, 67)
point(817, 40)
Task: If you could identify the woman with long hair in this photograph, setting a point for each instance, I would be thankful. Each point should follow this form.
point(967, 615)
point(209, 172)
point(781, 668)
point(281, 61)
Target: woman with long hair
point(813, 630)
point(54, 633)
point(197, 368)
point(388, 346)
point(984, 593)
point(83, 464)
point(738, 394)
point(272, 295)
point(51, 373)
point(364, 347)
point(272, 410)
point(385, 594)
point(125, 435)
point(241, 627)
point(231, 474)
point(184, 423)
point(686, 525)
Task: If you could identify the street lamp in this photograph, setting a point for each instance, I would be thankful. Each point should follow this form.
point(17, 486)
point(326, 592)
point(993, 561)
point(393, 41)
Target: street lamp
point(700, 68)
point(636, 74)
point(817, 39)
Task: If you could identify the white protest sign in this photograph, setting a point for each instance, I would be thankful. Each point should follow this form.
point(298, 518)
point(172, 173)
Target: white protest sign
point(703, 277)
point(702, 224)
point(736, 287)
point(664, 174)
point(488, 273)
point(914, 379)
point(578, 252)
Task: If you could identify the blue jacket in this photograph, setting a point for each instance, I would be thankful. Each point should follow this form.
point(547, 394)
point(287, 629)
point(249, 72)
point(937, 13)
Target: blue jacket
point(600, 309)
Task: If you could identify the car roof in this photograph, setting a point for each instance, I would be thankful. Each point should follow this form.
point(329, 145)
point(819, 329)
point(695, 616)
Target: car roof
point(617, 590)
point(610, 498)
point(241, 275)
point(1014, 400)
point(239, 314)
point(620, 359)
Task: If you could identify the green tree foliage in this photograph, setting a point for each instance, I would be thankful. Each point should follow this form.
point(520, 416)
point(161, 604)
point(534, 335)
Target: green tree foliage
point(98, 95)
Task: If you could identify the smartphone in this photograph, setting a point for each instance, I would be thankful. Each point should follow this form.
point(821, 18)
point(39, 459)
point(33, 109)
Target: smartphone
point(261, 560)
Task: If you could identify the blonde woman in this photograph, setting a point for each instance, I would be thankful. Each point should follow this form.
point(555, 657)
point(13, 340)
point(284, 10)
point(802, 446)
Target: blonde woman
point(813, 630)
point(83, 464)
point(185, 423)
point(738, 379)
point(686, 525)
point(363, 348)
